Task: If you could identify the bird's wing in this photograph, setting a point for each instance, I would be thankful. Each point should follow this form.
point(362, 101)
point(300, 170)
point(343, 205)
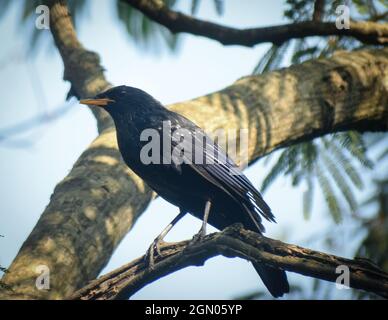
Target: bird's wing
point(220, 170)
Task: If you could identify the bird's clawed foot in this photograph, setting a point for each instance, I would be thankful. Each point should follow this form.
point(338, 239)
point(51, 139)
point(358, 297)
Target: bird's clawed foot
point(202, 232)
point(198, 236)
point(150, 254)
point(155, 246)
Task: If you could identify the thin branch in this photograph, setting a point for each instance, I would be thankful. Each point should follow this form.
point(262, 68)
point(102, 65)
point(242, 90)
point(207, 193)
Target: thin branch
point(35, 121)
point(367, 32)
point(319, 10)
point(234, 241)
point(30, 123)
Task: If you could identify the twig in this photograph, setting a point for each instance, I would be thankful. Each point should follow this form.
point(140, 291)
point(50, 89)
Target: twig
point(367, 32)
point(234, 241)
point(36, 120)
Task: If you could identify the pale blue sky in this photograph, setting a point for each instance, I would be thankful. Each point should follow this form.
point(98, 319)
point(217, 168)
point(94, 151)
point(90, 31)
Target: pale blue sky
point(28, 175)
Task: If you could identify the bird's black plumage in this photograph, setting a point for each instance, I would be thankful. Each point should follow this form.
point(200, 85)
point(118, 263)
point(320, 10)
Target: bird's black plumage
point(189, 185)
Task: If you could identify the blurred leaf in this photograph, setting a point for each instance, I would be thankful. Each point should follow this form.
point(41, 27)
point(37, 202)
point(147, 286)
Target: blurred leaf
point(280, 166)
point(346, 164)
point(265, 60)
point(302, 55)
point(5, 5)
point(329, 195)
point(4, 270)
point(195, 6)
point(340, 181)
point(219, 6)
point(383, 155)
point(352, 141)
point(375, 244)
point(147, 34)
point(272, 59)
point(308, 199)
point(335, 157)
point(361, 6)
point(28, 16)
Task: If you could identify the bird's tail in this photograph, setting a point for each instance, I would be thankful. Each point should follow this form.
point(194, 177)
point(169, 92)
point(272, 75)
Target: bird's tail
point(274, 279)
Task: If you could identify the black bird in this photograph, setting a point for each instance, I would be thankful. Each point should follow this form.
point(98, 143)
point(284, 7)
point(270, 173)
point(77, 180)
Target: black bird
point(214, 191)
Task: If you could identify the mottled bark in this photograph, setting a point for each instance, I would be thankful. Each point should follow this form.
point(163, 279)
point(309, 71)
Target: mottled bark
point(234, 241)
point(156, 10)
point(93, 208)
point(82, 67)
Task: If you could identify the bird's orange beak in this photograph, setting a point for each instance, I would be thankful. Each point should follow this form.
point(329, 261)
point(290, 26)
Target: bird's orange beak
point(96, 102)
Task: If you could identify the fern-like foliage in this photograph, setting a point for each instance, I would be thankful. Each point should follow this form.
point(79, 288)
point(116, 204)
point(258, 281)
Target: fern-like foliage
point(328, 163)
point(332, 164)
point(148, 35)
point(272, 59)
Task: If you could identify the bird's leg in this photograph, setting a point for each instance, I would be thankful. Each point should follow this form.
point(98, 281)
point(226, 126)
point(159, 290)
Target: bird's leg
point(202, 232)
point(155, 246)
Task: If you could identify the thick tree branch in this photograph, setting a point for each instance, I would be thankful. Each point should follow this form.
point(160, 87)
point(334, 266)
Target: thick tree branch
point(82, 67)
point(235, 241)
point(93, 208)
point(156, 10)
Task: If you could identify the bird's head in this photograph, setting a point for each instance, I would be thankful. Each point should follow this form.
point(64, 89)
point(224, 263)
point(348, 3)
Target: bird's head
point(122, 100)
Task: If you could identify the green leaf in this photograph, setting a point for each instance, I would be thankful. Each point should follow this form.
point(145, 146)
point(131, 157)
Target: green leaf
point(280, 166)
point(219, 6)
point(292, 158)
point(329, 195)
point(308, 199)
point(265, 60)
point(346, 164)
point(382, 155)
point(195, 6)
point(147, 34)
point(272, 59)
point(302, 55)
point(352, 141)
point(309, 152)
point(361, 6)
point(340, 181)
